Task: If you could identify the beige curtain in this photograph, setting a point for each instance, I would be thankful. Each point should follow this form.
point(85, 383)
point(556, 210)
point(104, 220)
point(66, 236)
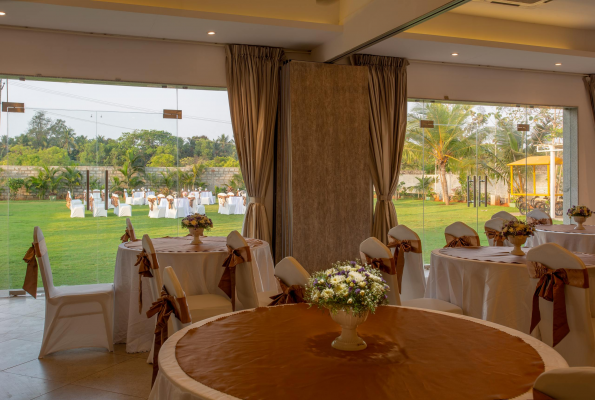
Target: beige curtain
point(252, 74)
point(590, 85)
point(387, 84)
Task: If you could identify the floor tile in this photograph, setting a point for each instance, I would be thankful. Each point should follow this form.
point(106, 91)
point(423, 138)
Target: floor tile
point(25, 325)
point(73, 392)
point(33, 337)
point(121, 349)
point(132, 377)
point(14, 352)
point(4, 316)
point(21, 308)
point(69, 365)
point(16, 387)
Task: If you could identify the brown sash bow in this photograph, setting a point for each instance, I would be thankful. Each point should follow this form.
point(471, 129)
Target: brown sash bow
point(401, 247)
point(115, 201)
point(125, 237)
point(171, 203)
point(293, 294)
point(222, 201)
point(68, 200)
point(537, 395)
point(462, 241)
point(383, 264)
point(151, 202)
point(497, 236)
point(164, 307)
point(543, 221)
point(228, 280)
point(551, 288)
point(144, 269)
point(30, 284)
point(244, 200)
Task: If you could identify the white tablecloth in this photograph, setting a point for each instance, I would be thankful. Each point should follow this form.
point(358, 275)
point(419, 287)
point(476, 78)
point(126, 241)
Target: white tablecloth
point(206, 195)
point(578, 242)
point(199, 273)
point(184, 204)
point(238, 201)
point(172, 383)
point(491, 291)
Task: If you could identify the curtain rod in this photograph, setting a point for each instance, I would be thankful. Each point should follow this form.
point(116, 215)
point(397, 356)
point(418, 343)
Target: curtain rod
point(129, 37)
point(494, 67)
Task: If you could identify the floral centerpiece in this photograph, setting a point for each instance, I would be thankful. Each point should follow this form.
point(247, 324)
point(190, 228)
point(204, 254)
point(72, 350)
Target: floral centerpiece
point(517, 232)
point(580, 215)
point(350, 290)
point(196, 225)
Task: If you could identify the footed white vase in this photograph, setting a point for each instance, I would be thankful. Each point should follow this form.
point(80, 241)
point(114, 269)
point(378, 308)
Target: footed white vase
point(579, 223)
point(517, 242)
point(196, 234)
point(349, 340)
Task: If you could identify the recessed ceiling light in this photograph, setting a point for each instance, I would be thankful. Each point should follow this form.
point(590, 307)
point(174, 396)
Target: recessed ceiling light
point(2, 13)
point(558, 64)
point(455, 54)
point(210, 32)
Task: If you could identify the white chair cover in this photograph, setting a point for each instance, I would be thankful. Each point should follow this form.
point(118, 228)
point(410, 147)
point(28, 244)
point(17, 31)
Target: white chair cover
point(578, 347)
point(155, 283)
point(225, 207)
point(577, 383)
point(174, 288)
point(99, 208)
point(138, 198)
point(291, 272)
point(130, 228)
point(496, 223)
point(245, 287)
point(413, 284)
point(539, 215)
point(75, 316)
point(123, 210)
point(170, 212)
point(201, 209)
point(128, 198)
point(182, 206)
point(77, 210)
point(459, 229)
point(505, 216)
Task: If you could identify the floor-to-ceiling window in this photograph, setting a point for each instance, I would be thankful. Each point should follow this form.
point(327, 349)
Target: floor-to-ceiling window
point(77, 135)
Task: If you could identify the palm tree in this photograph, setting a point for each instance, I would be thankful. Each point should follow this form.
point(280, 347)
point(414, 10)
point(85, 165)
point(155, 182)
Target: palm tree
point(47, 179)
point(71, 177)
point(116, 184)
point(197, 171)
point(169, 179)
point(423, 185)
point(129, 180)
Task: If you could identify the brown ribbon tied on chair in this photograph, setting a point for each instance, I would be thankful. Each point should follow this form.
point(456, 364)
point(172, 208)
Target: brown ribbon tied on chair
point(190, 201)
point(461, 241)
point(164, 307)
point(293, 294)
point(228, 280)
point(401, 247)
point(144, 269)
point(30, 284)
point(542, 221)
point(151, 203)
point(171, 203)
point(126, 236)
point(496, 235)
point(383, 264)
point(551, 288)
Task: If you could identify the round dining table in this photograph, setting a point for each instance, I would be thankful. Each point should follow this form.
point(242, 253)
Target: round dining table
point(284, 352)
point(567, 236)
point(199, 269)
point(489, 283)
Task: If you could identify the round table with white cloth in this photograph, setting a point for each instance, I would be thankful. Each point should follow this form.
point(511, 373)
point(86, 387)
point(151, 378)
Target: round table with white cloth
point(284, 352)
point(238, 201)
point(489, 283)
point(566, 236)
point(199, 269)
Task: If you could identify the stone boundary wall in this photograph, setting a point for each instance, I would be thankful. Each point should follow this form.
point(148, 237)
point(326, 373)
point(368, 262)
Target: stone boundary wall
point(214, 176)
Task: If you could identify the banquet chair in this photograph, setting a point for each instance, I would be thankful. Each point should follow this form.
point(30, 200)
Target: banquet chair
point(374, 248)
point(98, 208)
point(77, 209)
point(130, 230)
point(246, 295)
point(174, 288)
point(576, 383)
point(539, 217)
point(459, 230)
point(121, 210)
point(290, 272)
point(505, 216)
point(127, 198)
point(156, 211)
point(155, 282)
point(496, 223)
point(578, 347)
point(170, 211)
point(181, 209)
point(160, 198)
point(225, 207)
point(75, 316)
point(138, 198)
point(413, 282)
point(200, 209)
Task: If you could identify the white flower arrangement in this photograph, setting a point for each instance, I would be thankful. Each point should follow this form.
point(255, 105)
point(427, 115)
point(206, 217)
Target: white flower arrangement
point(348, 285)
point(518, 228)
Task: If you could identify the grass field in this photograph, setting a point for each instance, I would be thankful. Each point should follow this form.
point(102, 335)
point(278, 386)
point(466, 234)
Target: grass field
point(83, 251)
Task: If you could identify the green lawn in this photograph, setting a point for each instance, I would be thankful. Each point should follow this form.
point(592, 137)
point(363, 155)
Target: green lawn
point(83, 251)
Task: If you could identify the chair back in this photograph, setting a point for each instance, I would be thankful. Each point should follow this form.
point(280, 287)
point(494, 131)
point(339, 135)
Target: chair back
point(496, 223)
point(130, 229)
point(413, 283)
point(43, 260)
point(374, 248)
point(156, 282)
point(577, 383)
point(505, 216)
point(174, 288)
point(538, 215)
point(245, 287)
point(578, 347)
point(459, 229)
point(291, 272)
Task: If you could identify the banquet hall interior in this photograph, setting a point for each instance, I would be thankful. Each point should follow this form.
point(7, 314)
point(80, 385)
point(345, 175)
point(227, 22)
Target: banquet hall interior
point(297, 199)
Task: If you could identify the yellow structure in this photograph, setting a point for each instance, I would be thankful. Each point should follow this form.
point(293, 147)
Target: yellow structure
point(533, 162)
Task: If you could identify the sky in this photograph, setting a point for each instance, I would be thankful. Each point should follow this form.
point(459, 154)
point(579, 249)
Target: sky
point(109, 110)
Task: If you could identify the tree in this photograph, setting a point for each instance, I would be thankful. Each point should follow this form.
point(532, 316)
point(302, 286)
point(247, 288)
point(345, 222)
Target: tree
point(423, 186)
point(130, 180)
point(14, 185)
point(71, 177)
point(169, 179)
point(39, 130)
point(162, 160)
point(47, 180)
point(238, 181)
point(197, 171)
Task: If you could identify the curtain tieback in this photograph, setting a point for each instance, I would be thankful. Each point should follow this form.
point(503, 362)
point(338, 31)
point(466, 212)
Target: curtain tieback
point(383, 197)
point(254, 200)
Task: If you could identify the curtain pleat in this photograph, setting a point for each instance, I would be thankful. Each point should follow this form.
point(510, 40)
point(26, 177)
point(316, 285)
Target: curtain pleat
point(252, 74)
point(590, 86)
point(387, 84)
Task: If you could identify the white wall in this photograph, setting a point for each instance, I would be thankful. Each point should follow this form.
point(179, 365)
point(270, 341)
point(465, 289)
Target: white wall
point(430, 81)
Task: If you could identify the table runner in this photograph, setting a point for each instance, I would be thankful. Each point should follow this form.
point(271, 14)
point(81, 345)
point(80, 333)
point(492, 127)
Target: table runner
point(589, 229)
point(182, 244)
point(284, 352)
point(499, 254)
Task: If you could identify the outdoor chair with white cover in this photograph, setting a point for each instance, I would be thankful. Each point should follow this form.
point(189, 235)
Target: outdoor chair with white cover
point(575, 383)
point(155, 281)
point(290, 272)
point(127, 197)
point(374, 248)
point(160, 199)
point(98, 207)
point(578, 346)
point(154, 210)
point(224, 205)
point(491, 227)
point(121, 210)
point(461, 230)
point(182, 207)
point(170, 210)
point(77, 208)
point(413, 283)
point(539, 217)
point(138, 198)
point(505, 216)
point(75, 316)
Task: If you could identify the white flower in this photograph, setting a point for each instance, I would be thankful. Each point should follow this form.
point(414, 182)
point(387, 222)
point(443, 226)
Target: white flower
point(337, 279)
point(341, 290)
point(349, 301)
point(363, 292)
point(362, 284)
point(327, 294)
point(315, 295)
point(356, 276)
point(375, 278)
point(330, 271)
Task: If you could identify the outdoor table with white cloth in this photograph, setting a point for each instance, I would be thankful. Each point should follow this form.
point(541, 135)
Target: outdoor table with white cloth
point(238, 201)
point(567, 236)
point(207, 195)
point(285, 352)
point(199, 269)
point(490, 283)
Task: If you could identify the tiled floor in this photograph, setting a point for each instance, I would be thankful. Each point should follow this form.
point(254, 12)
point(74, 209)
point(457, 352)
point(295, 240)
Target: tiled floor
point(89, 374)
